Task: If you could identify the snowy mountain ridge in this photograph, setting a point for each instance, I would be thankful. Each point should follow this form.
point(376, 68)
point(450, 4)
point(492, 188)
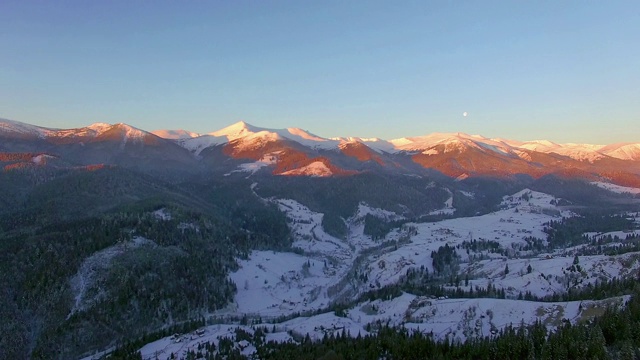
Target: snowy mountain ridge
point(424, 144)
point(94, 130)
point(297, 152)
point(248, 134)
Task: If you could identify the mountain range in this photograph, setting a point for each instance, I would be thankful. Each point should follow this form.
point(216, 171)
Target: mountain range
point(296, 152)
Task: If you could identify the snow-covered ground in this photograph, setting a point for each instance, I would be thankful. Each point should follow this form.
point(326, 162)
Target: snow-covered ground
point(162, 214)
point(315, 169)
point(520, 218)
point(324, 268)
point(448, 208)
point(617, 188)
point(252, 167)
point(460, 319)
point(550, 274)
point(453, 319)
point(274, 284)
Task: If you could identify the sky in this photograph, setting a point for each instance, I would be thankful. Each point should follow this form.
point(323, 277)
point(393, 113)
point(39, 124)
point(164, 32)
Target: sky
point(566, 71)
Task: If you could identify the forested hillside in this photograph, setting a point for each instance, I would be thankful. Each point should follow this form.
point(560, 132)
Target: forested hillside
point(87, 258)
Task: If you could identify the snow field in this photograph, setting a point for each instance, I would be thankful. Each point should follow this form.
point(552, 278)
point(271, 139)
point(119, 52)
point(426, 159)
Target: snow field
point(453, 319)
point(273, 284)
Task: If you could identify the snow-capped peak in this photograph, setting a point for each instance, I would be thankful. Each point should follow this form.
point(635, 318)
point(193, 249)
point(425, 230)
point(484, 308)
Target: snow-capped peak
point(539, 143)
point(99, 127)
point(10, 126)
point(246, 131)
point(451, 142)
point(239, 131)
point(376, 144)
point(175, 134)
point(131, 132)
point(580, 152)
point(248, 135)
point(357, 139)
point(315, 169)
point(624, 151)
point(236, 131)
point(305, 134)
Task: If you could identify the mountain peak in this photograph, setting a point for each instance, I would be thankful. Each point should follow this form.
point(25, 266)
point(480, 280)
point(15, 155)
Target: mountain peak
point(235, 131)
point(623, 151)
point(305, 134)
point(130, 131)
point(99, 126)
point(178, 134)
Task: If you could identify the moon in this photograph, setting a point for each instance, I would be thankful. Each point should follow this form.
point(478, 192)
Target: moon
point(465, 114)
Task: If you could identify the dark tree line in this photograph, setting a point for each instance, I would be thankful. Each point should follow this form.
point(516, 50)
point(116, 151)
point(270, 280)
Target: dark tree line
point(569, 232)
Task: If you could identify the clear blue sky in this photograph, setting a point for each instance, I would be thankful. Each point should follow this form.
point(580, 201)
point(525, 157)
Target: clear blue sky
point(568, 71)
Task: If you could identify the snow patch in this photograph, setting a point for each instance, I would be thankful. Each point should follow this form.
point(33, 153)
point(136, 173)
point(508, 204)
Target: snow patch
point(315, 169)
point(431, 152)
point(162, 214)
point(364, 210)
point(39, 159)
point(616, 188)
point(448, 208)
point(468, 194)
point(84, 281)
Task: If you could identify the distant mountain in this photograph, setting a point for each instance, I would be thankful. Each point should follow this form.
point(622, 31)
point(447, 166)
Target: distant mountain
point(296, 152)
point(97, 144)
point(624, 151)
point(175, 134)
point(456, 155)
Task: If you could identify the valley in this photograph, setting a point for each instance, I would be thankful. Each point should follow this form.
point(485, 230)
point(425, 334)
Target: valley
point(291, 295)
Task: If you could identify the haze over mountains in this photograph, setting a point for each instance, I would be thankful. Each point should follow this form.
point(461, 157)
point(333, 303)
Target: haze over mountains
point(296, 152)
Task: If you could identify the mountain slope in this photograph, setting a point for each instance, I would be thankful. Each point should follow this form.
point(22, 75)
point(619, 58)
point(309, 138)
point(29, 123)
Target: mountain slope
point(99, 143)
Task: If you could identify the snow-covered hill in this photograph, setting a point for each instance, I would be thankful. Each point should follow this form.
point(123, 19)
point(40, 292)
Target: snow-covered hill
point(325, 269)
point(272, 284)
point(452, 319)
point(248, 136)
